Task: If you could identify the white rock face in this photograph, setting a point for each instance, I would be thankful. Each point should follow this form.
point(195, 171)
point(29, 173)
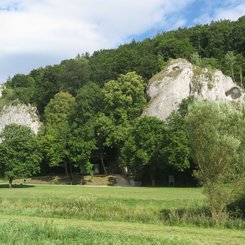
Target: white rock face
point(2, 87)
point(180, 80)
point(20, 114)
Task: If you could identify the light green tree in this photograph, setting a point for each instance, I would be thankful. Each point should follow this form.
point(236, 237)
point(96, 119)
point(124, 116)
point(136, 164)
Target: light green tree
point(217, 140)
point(57, 130)
point(230, 59)
point(196, 59)
point(124, 102)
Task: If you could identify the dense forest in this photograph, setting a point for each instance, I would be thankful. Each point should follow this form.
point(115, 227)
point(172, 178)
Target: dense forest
point(90, 106)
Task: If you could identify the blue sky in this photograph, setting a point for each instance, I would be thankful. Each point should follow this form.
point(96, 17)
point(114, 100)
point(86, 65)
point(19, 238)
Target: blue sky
point(36, 33)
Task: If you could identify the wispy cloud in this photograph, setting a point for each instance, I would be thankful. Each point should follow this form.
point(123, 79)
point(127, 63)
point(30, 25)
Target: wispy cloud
point(220, 10)
point(34, 29)
point(61, 29)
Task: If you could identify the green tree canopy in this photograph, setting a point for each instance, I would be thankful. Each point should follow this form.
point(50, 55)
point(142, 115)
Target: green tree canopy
point(153, 145)
point(57, 129)
point(217, 141)
point(88, 102)
point(19, 153)
point(125, 100)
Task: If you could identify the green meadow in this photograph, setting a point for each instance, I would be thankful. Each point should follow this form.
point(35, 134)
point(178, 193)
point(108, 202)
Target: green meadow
point(59, 214)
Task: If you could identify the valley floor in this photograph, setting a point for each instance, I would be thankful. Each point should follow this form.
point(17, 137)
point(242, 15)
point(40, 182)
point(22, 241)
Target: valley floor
point(52, 214)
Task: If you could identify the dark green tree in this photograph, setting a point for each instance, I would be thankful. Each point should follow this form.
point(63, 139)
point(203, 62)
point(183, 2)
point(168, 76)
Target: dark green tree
point(19, 153)
point(21, 87)
point(153, 145)
point(88, 102)
point(174, 48)
point(57, 130)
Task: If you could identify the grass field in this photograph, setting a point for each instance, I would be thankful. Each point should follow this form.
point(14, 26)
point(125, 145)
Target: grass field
point(59, 214)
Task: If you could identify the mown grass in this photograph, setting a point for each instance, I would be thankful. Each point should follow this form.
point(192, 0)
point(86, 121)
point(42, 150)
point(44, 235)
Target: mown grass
point(157, 207)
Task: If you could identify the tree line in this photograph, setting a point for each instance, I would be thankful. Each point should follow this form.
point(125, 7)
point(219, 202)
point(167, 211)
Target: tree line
point(219, 45)
point(91, 108)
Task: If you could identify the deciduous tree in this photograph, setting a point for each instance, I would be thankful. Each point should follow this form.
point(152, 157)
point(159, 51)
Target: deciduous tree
point(57, 130)
point(217, 140)
point(19, 153)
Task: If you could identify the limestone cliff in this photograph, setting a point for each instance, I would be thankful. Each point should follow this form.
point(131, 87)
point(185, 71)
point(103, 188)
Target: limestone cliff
point(180, 79)
point(21, 114)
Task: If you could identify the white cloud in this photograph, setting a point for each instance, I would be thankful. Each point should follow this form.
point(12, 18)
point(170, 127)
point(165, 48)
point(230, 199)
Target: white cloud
point(61, 29)
point(231, 13)
point(220, 10)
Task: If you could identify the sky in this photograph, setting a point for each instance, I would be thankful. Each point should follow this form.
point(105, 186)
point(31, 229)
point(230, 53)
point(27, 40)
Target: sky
point(35, 33)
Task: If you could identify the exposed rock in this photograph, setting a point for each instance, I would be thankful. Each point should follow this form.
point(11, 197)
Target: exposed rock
point(234, 92)
point(120, 180)
point(180, 79)
point(2, 87)
point(20, 114)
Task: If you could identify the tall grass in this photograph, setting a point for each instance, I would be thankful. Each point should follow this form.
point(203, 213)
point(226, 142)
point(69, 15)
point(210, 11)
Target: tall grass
point(192, 213)
point(15, 233)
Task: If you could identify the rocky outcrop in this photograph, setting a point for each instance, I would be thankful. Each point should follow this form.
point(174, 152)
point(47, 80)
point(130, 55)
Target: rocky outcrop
point(20, 114)
point(2, 87)
point(180, 79)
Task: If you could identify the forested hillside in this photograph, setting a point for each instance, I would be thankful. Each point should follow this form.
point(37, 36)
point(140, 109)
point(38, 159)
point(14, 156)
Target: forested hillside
point(90, 106)
point(212, 42)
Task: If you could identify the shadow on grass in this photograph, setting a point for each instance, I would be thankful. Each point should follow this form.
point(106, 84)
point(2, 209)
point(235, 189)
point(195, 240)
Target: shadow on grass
point(16, 186)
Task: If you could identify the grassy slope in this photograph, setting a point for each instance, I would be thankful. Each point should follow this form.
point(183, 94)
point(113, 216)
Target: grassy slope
point(18, 204)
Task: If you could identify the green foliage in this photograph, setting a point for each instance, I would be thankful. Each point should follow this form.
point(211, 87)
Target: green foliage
point(211, 42)
point(81, 144)
point(154, 145)
point(122, 102)
point(143, 147)
point(125, 95)
point(89, 168)
point(230, 59)
point(19, 152)
point(196, 59)
point(184, 105)
point(125, 100)
point(57, 129)
point(177, 149)
point(218, 150)
point(175, 48)
point(58, 110)
point(64, 141)
point(109, 90)
point(68, 76)
point(21, 87)
point(88, 102)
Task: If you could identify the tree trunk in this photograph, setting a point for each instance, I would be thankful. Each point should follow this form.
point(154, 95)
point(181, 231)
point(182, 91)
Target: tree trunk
point(103, 164)
point(10, 183)
point(153, 180)
point(66, 168)
point(71, 174)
